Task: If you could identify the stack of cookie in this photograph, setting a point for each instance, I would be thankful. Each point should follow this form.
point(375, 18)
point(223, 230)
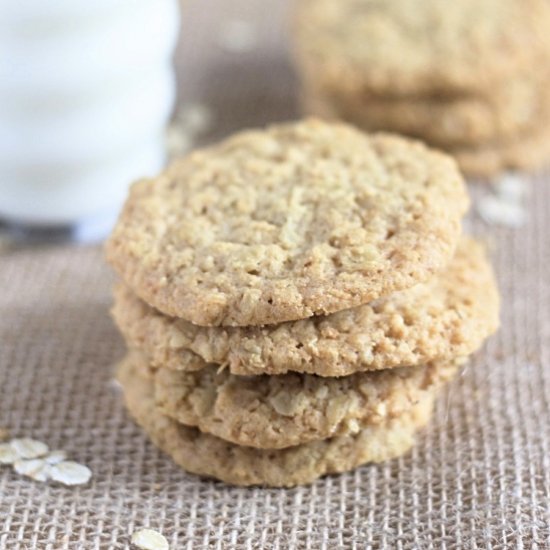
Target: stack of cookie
point(471, 77)
point(293, 299)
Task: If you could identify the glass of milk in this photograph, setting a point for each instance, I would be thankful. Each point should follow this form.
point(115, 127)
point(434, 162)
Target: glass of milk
point(86, 90)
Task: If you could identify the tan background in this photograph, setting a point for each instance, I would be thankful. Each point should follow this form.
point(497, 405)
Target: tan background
point(478, 478)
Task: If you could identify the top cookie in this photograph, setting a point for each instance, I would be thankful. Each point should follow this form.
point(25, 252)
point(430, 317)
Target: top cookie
point(405, 47)
point(297, 220)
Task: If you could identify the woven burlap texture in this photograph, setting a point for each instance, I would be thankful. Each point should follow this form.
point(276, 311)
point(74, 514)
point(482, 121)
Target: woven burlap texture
point(478, 478)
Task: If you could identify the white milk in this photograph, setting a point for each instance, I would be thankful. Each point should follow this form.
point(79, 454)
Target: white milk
point(86, 90)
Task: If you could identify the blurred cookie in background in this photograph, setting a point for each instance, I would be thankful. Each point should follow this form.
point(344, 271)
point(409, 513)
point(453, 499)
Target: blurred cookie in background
point(469, 77)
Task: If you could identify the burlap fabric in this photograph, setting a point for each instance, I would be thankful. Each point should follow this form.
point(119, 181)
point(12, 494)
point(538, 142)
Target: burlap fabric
point(478, 478)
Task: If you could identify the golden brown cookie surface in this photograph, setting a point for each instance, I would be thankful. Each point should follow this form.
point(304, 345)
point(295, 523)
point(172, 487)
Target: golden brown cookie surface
point(275, 412)
point(300, 219)
point(448, 316)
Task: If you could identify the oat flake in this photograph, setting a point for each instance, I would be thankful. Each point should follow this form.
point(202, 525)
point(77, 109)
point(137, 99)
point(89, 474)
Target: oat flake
point(511, 187)
point(194, 118)
point(177, 141)
point(8, 455)
point(35, 468)
point(55, 457)
point(147, 539)
point(29, 448)
point(496, 211)
point(70, 473)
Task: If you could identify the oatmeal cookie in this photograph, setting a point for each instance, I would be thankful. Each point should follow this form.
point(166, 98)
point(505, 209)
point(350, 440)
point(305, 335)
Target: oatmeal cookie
point(448, 316)
point(297, 220)
point(406, 47)
point(210, 456)
point(274, 412)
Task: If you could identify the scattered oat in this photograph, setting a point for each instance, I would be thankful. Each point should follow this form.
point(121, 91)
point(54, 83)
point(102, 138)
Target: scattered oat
point(8, 455)
point(237, 35)
point(504, 205)
point(147, 539)
point(55, 457)
point(29, 448)
point(177, 141)
point(70, 473)
point(33, 459)
point(494, 210)
point(511, 187)
point(194, 118)
point(191, 120)
point(35, 468)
